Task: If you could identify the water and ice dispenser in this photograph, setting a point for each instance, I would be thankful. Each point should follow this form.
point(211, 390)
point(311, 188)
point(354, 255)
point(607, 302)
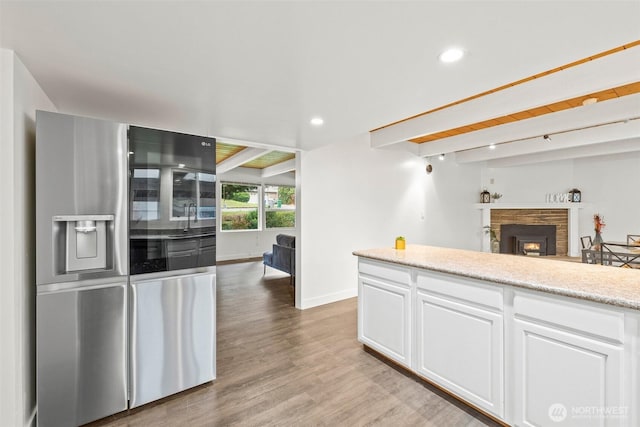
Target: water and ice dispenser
point(83, 243)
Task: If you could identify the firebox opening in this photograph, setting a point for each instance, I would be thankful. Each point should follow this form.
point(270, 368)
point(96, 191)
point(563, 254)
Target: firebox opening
point(530, 240)
point(530, 245)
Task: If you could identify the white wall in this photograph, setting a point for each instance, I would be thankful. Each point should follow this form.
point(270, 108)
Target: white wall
point(528, 183)
point(248, 244)
point(21, 96)
point(355, 197)
point(609, 184)
point(606, 183)
point(451, 219)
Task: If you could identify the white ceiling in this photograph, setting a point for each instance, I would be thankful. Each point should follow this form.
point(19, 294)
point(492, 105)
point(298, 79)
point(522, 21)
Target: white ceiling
point(258, 71)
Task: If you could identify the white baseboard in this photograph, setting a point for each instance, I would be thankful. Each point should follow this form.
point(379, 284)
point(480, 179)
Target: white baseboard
point(328, 298)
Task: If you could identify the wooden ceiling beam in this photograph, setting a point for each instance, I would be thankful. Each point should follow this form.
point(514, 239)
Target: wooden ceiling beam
point(613, 70)
point(561, 141)
point(240, 158)
point(526, 79)
point(618, 109)
point(576, 102)
point(279, 168)
point(605, 148)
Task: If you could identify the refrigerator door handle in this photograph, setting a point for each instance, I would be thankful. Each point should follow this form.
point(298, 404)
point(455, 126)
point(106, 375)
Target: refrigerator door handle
point(74, 218)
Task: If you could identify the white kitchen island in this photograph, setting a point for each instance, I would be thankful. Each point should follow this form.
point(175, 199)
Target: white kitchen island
point(529, 341)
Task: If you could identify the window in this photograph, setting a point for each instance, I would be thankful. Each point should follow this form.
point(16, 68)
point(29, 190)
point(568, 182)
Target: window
point(145, 194)
point(207, 196)
point(193, 194)
point(240, 203)
point(280, 206)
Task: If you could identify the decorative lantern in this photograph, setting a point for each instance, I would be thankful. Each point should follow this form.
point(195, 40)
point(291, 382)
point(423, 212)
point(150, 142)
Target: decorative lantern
point(485, 197)
point(575, 196)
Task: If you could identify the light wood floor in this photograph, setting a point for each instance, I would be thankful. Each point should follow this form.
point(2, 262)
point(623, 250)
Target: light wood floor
point(281, 366)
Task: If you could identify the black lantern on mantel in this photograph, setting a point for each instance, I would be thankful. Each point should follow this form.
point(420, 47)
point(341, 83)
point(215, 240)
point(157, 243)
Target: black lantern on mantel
point(575, 196)
point(485, 197)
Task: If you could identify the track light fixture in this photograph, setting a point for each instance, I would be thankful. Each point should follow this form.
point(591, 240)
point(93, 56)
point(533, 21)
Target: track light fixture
point(441, 157)
point(547, 138)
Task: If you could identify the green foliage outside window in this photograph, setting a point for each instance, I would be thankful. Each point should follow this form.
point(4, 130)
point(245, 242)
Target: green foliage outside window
point(237, 213)
point(277, 219)
point(236, 191)
point(242, 197)
point(240, 220)
point(287, 195)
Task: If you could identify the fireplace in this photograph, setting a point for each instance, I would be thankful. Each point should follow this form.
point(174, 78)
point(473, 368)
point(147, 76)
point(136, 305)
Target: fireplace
point(532, 240)
point(564, 218)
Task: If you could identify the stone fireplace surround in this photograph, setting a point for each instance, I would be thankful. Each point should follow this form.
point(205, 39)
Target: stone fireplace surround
point(563, 215)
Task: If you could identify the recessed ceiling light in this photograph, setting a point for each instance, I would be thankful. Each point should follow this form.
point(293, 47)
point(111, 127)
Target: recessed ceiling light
point(590, 101)
point(492, 146)
point(451, 55)
point(317, 121)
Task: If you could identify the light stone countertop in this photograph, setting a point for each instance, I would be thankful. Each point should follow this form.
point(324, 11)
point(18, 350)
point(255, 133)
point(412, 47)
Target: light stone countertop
point(603, 284)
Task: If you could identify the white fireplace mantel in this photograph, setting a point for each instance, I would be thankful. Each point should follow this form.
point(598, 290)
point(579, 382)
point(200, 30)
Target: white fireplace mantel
point(573, 238)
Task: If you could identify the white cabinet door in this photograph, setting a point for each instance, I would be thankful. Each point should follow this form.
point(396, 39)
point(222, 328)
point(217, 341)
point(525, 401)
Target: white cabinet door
point(460, 347)
point(566, 379)
point(384, 318)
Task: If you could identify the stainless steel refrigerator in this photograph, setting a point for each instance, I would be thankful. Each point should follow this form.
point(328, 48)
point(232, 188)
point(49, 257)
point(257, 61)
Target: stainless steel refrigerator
point(106, 340)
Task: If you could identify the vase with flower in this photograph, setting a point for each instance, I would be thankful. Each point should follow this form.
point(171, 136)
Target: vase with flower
point(495, 243)
point(598, 225)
